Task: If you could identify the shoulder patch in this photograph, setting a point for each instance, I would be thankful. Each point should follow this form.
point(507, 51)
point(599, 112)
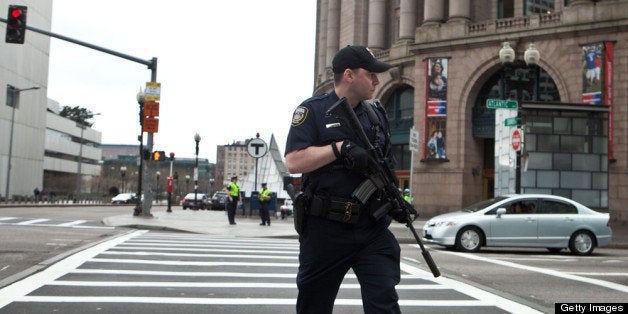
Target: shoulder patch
point(299, 116)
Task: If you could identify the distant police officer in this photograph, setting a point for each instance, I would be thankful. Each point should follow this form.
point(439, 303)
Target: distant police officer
point(407, 197)
point(234, 197)
point(264, 200)
point(339, 233)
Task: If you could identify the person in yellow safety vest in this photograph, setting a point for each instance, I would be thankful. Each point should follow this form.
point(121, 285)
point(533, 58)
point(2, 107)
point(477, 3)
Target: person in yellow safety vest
point(264, 200)
point(407, 197)
point(234, 197)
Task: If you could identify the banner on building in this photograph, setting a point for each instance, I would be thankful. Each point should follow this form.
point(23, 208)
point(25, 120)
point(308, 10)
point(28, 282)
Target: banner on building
point(597, 81)
point(435, 109)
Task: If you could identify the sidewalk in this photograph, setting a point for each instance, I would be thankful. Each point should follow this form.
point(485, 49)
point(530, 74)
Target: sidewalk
point(216, 223)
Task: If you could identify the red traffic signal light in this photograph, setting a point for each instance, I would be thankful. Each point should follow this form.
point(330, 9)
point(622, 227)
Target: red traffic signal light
point(16, 24)
point(159, 155)
point(171, 156)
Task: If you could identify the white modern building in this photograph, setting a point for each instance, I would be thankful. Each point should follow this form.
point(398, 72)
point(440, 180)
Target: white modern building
point(70, 149)
point(38, 148)
point(24, 67)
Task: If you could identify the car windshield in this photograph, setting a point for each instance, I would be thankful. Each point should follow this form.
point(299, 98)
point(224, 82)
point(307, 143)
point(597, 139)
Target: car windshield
point(191, 196)
point(483, 204)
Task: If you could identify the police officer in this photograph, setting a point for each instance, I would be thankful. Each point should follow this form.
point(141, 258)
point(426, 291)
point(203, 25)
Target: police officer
point(339, 233)
point(407, 197)
point(234, 197)
point(264, 200)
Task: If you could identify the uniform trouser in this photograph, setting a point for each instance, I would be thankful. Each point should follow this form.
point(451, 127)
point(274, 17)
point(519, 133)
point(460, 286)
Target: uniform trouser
point(329, 249)
point(263, 212)
point(231, 209)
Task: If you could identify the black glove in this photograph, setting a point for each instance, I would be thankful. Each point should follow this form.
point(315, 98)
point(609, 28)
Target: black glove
point(354, 157)
point(401, 216)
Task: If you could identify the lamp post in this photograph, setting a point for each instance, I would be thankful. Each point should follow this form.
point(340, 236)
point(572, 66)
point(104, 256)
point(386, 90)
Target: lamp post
point(79, 174)
point(123, 174)
point(170, 179)
point(522, 78)
point(158, 174)
point(187, 183)
point(13, 101)
point(197, 139)
point(140, 100)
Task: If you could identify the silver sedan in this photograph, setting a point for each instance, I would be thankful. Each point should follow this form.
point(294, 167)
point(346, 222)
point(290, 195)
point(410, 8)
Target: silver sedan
point(530, 220)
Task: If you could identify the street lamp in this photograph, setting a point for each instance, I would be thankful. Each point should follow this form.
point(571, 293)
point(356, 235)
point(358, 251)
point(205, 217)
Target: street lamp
point(522, 78)
point(197, 139)
point(123, 174)
point(13, 100)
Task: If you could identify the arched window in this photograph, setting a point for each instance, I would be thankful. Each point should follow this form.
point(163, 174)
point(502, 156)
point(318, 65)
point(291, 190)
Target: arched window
point(400, 112)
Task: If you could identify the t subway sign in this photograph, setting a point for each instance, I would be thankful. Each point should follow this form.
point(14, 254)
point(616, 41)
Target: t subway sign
point(257, 148)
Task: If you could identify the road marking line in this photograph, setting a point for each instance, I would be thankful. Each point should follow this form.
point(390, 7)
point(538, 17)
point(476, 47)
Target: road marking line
point(30, 222)
point(597, 282)
point(178, 248)
point(183, 263)
point(145, 253)
point(8, 218)
point(23, 287)
point(483, 297)
point(72, 223)
point(206, 274)
point(244, 301)
point(162, 284)
point(598, 274)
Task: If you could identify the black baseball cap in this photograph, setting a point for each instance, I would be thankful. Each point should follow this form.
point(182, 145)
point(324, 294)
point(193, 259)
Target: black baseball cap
point(353, 57)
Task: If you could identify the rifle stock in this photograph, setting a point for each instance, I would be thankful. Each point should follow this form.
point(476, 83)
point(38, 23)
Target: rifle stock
point(343, 110)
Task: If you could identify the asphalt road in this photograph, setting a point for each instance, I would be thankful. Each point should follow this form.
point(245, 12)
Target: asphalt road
point(532, 277)
point(25, 246)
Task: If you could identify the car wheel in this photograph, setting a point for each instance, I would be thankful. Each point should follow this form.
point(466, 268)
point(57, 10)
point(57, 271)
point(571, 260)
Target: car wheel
point(469, 239)
point(554, 249)
point(582, 243)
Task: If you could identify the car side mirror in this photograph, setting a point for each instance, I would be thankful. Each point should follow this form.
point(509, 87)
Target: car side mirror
point(500, 212)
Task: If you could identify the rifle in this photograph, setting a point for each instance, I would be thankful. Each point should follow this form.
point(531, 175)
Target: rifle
point(381, 178)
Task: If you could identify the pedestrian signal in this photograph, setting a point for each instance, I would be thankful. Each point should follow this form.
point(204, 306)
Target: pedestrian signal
point(159, 155)
point(16, 24)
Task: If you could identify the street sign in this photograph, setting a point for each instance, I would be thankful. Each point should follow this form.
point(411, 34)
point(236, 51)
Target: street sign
point(414, 140)
point(150, 125)
point(152, 91)
point(510, 121)
point(151, 109)
point(498, 103)
point(515, 139)
point(257, 148)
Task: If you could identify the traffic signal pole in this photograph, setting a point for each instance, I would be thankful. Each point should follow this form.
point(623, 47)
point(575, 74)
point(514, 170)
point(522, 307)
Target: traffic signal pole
point(152, 65)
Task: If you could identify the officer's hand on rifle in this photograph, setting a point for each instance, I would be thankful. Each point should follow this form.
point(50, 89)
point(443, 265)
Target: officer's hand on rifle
point(354, 157)
point(401, 215)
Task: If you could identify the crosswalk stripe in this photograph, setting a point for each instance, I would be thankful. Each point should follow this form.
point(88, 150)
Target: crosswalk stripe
point(30, 222)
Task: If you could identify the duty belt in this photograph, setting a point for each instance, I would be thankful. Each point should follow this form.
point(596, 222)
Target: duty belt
point(335, 208)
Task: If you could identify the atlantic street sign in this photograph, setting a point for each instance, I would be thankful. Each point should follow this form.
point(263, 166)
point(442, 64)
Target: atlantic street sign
point(498, 103)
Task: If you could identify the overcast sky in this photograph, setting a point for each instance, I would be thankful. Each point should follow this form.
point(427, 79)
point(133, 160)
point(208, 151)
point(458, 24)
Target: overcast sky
point(227, 69)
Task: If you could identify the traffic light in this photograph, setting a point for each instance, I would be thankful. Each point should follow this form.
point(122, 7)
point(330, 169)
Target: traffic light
point(146, 154)
point(171, 156)
point(16, 24)
point(159, 155)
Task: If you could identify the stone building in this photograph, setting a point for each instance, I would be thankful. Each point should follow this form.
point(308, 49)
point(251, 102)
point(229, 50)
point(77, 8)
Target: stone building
point(571, 106)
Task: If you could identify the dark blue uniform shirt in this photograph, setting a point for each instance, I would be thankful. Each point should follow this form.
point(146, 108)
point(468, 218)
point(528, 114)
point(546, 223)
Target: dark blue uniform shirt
point(312, 127)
